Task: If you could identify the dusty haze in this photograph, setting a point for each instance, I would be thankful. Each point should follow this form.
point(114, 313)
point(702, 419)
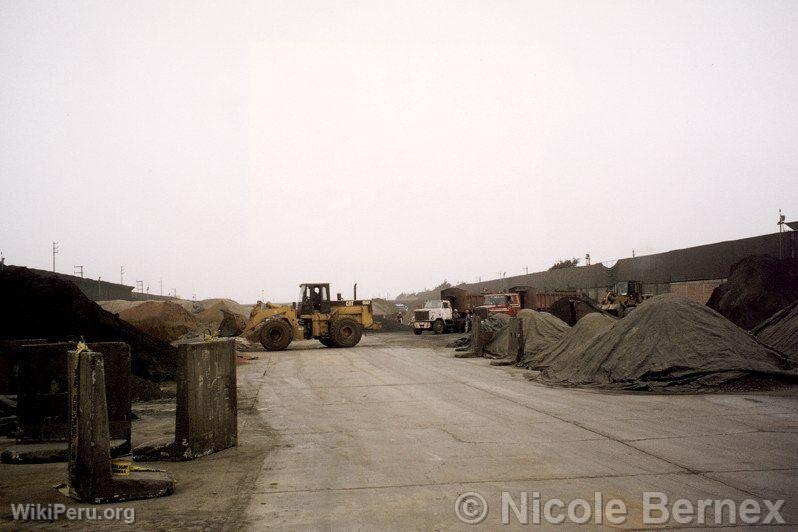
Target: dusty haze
point(237, 148)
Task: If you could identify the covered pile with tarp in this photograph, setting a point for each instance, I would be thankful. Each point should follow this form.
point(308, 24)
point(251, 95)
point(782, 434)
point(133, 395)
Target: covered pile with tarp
point(587, 328)
point(780, 332)
point(492, 327)
point(539, 330)
point(670, 343)
point(758, 286)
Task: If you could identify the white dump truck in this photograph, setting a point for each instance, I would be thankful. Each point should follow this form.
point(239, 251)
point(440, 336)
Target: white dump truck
point(438, 316)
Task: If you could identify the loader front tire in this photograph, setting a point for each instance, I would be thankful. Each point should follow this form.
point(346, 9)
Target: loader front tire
point(346, 332)
point(327, 342)
point(276, 335)
point(438, 327)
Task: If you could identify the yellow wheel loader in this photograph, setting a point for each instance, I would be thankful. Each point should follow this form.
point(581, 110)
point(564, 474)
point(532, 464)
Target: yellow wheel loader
point(333, 323)
point(623, 298)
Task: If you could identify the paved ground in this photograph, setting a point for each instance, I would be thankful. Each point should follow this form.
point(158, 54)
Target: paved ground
point(390, 433)
point(387, 435)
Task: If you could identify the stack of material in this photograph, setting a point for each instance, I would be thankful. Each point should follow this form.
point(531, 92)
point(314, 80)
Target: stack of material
point(539, 329)
point(780, 332)
point(758, 287)
point(573, 340)
point(161, 319)
point(229, 304)
point(673, 343)
point(39, 305)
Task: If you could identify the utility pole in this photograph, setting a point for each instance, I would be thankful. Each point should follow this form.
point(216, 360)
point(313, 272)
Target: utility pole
point(587, 259)
point(160, 284)
point(526, 270)
point(55, 252)
point(140, 286)
point(121, 275)
point(781, 230)
point(78, 270)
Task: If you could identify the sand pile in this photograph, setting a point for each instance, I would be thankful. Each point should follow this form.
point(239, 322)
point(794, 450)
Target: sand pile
point(37, 305)
point(780, 332)
point(573, 340)
point(668, 342)
point(161, 319)
point(758, 286)
point(213, 315)
point(115, 306)
point(539, 330)
point(229, 304)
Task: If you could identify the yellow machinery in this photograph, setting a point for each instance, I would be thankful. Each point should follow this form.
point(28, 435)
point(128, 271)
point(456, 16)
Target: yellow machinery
point(623, 297)
point(333, 323)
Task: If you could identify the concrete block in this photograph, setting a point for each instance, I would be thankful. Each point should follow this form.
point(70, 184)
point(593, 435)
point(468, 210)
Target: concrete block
point(90, 476)
point(42, 402)
point(206, 418)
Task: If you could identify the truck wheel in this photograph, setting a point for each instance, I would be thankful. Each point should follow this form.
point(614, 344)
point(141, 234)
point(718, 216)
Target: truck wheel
point(418, 332)
point(327, 342)
point(346, 332)
point(438, 327)
point(276, 335)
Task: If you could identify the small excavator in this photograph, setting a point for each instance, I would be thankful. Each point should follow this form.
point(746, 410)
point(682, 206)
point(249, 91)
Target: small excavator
point(334, 323)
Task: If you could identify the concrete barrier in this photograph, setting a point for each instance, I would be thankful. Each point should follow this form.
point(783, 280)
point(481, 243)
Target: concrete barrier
point(515, 340)
point(90, 466)
point(206, 418)
point(43, 402)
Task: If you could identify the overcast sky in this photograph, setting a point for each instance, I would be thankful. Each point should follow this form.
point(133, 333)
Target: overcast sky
point(234, 147)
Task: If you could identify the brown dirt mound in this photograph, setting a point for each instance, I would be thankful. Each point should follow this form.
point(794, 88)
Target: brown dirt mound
point(758, 286)
point(229, 304)
point(213, 315)
point(669, 343)
point(574, 339)
point(780, 332)
point(539, 329)
point(115, 306)
point(38, 305)
point(161, 319)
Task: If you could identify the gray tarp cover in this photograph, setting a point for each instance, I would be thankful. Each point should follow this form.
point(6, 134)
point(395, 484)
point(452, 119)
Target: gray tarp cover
point(668, 341)
point(574, 339)
point(540, 329)
point(780, 332)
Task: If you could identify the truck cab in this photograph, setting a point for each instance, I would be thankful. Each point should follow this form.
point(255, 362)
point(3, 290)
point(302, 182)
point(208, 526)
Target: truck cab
point(437, 316)
point(502, 303)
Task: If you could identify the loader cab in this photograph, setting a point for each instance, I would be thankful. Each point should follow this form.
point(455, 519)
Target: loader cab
point(631, 289)
point(314, 298)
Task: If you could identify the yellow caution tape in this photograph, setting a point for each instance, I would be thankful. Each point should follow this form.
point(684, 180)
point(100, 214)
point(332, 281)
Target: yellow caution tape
point(125, 467)
point(207, 336)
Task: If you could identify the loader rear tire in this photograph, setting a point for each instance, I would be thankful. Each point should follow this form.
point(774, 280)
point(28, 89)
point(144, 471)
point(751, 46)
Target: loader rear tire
point(276, 335)
point(346, 332)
